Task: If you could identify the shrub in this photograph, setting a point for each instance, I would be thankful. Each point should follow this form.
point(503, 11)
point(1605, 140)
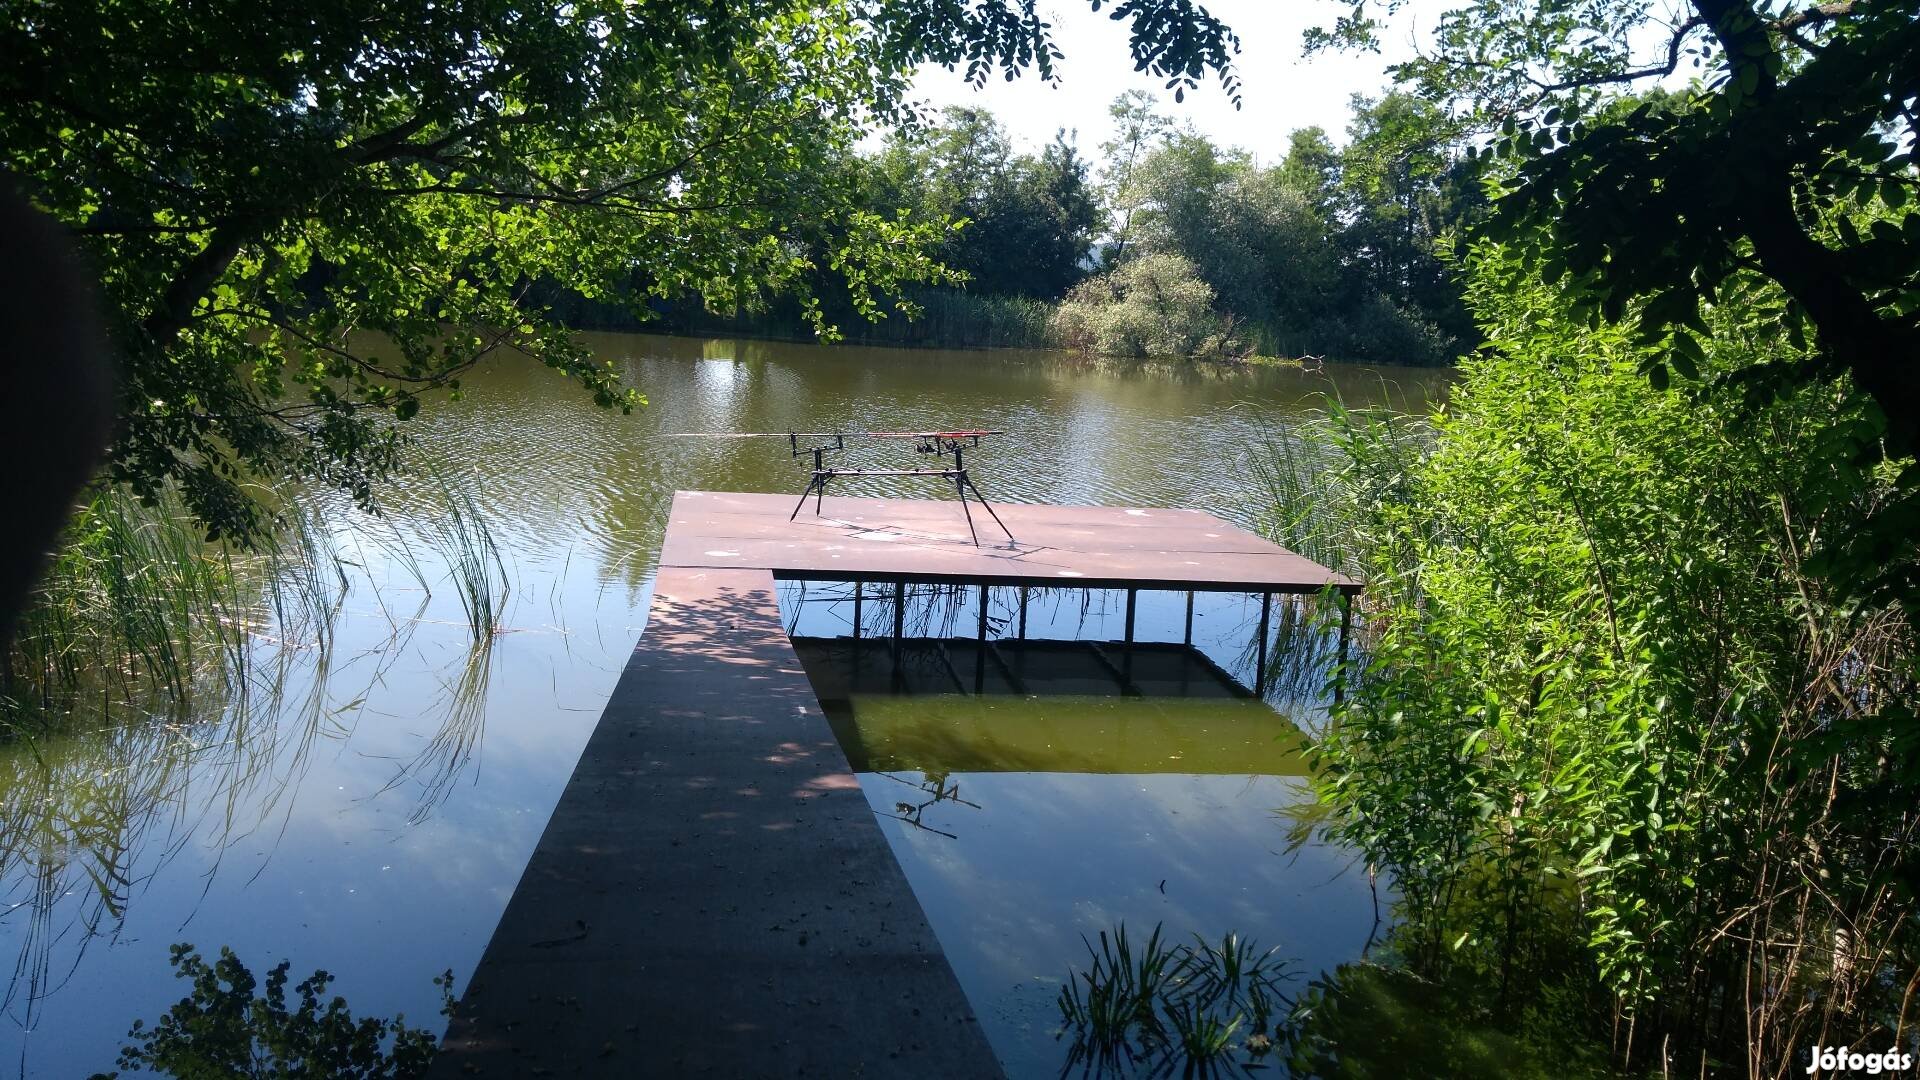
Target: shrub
point(1155, 305)
point(1603, 684)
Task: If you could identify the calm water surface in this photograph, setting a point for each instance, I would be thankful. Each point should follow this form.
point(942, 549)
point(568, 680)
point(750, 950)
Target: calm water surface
point(368, 805)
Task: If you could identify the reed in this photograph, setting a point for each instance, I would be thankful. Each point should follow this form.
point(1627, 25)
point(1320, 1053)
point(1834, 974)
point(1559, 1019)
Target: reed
point(1162, 1008)
point(136, 598)
point(951, 318)
point(1324, 483)
point(478, 572)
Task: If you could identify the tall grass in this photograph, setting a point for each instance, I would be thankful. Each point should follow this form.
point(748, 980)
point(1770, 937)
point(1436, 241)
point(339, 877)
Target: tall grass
point(132, 715)
point(1325, 482)
point(161, 688)
point(478, 572)
point(135, 597)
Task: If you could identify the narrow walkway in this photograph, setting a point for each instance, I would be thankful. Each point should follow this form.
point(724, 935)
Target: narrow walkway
point(712, 895)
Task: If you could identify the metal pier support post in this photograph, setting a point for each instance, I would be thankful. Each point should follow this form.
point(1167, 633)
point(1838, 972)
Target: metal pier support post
point(1260, 647)
point(858, 588)
point(1133, 598)
point(1346, 629)
point(1023, 613)
point(899, 621)
point(1188, 638)
point(980, 650)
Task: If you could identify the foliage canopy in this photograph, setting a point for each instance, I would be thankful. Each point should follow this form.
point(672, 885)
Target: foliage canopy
point(1785, 175)
point(307, 220)
point(1024, 222)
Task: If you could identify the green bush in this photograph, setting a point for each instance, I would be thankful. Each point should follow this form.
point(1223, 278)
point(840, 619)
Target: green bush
point(1155, 305)
point(1604, 693)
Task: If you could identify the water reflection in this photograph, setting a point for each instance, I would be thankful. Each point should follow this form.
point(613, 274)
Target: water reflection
point(1040, 791)
point(1032, 863)
point(369, 806)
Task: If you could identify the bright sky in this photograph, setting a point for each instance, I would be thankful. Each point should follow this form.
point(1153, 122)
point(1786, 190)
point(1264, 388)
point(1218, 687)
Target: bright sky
point(1283, 90)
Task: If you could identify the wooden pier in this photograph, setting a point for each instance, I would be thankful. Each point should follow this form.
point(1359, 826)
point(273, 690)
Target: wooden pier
point(712, 895)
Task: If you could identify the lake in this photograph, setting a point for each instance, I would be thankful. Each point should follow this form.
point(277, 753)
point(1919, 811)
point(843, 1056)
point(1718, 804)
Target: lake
point(368, 804)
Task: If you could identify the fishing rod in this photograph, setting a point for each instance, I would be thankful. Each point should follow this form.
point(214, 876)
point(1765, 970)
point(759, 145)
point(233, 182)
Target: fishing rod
point(831, 434)
point(928, 442)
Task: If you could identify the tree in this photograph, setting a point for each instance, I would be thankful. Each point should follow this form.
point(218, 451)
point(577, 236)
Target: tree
point(1330, 251)
point(1151, 306)
point(1790, 162)
point(1025, 222)
point(1138, 128)
point(258, 187)
point(1193, 204)
point(1403, 184)
point(1312, 169)
point(1060, 175)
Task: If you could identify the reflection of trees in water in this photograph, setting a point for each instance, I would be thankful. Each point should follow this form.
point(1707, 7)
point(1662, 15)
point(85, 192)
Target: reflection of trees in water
point(939, 788)
point(224, 1028)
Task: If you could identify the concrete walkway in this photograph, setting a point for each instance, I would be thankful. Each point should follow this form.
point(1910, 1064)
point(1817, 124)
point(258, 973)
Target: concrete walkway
point(712, 895)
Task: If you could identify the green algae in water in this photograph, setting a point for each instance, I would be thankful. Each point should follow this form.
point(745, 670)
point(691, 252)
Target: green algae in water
point(1072, 734)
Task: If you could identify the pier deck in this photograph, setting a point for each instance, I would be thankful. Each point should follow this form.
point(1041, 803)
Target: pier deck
point(712, 895)
point(926, 540)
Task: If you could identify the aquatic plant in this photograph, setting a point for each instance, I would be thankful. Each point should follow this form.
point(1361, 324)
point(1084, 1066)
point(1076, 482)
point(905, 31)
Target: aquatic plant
point(955, 318)
point(1166, 1008)
point(135, 596)
point(224, 1028)
point(474, 564)
point(1328, 482)
point(164, 687)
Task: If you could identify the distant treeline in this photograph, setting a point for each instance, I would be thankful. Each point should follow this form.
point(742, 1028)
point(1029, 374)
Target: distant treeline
point(1178, 247)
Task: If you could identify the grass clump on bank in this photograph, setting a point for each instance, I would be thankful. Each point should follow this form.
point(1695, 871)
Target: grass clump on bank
point(135, 596)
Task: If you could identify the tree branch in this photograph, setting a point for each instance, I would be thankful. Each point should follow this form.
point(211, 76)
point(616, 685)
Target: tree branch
point(175, 310)
point(1813, 16)
point(1673, 64)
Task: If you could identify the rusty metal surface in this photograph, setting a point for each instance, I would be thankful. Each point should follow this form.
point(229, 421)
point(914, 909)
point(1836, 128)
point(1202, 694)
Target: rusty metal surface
point(927, 540)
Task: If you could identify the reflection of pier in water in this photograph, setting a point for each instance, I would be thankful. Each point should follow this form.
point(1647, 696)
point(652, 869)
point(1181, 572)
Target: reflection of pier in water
point(840, 667)
point(714, 826)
